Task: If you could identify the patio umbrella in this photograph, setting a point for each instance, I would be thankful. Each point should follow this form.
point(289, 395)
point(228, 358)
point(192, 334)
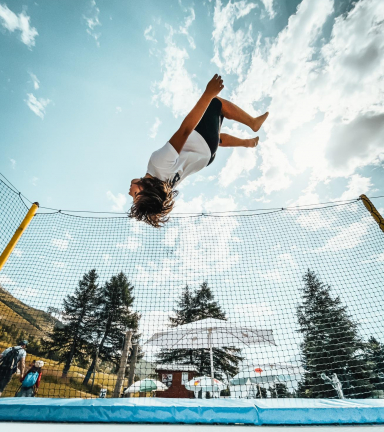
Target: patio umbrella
point(146, 385)
point(204, 383)
point(210, 333)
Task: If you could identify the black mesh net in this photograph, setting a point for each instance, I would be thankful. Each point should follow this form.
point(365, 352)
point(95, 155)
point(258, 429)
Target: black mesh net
point(262, 304)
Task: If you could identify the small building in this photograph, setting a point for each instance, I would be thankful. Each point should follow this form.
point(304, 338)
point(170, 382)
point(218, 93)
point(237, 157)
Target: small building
point(175, 376)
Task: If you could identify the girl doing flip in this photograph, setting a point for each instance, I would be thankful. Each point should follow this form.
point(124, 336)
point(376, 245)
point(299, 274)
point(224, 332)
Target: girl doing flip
point(190, 149)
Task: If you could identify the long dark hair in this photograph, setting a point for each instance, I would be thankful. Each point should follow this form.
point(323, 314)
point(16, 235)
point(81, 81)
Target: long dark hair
point(154, 202)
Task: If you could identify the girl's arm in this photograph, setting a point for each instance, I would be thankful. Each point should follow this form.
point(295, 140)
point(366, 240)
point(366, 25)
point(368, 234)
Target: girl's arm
point(214, 87)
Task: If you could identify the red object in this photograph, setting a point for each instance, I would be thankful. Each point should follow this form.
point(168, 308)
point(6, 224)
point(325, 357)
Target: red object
point(258, 370)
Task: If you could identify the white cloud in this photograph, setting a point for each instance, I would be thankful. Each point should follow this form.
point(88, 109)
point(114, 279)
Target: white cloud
point(92, 20)
point(271, 275)
point(230, 46)
point(59, 264)
point(149, 34)
point(118, 200)
point(308, 197)
point(118, 110)
point(12, 22)
point(268, 4)
point(349, 237)
point(6, 280)
point(177, 89)
point(61, 244)
point(34, 181)
point(315, 220)
point(325, 96)
point(202, 205)
point(276, 170)
point(218, 204)
point(131, 243)
point(357, 185)
point(287, 260)
point(13, 163)
point(254, 309)
point(154, 128)
point(193, 206)
point(24, 294)
point(171, 235)
point(241, 161)
point(183, 29)
point(17, 252)
point(35, 81)
point(37, 105)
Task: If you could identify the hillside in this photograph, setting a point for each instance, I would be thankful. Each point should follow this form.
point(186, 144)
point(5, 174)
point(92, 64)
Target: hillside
point(32, 321)
point(17, 317)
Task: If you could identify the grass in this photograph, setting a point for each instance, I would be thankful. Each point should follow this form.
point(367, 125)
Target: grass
point(54, 386)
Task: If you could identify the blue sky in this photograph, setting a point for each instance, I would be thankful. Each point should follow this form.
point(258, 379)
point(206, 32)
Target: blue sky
point(90, 89)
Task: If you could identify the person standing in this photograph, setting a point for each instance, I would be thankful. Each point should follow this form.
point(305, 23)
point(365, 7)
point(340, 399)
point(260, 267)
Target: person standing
point(31, 380)
point(10, 359)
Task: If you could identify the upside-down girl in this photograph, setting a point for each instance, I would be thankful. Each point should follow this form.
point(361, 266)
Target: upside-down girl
point(191, 148)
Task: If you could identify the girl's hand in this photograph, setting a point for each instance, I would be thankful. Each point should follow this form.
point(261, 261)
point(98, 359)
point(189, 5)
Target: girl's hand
point(214, 86)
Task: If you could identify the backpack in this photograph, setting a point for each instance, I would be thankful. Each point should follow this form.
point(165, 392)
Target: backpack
point(30, 379)
point(10, 360)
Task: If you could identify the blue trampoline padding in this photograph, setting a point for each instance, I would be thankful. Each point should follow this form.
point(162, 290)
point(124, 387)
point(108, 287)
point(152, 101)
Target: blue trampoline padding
point(132, 410)
point(319, 411)
point(220, 411)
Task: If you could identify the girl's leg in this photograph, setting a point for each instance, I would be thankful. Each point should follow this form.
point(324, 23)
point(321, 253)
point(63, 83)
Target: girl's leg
point(233, 112)
point(231, 141)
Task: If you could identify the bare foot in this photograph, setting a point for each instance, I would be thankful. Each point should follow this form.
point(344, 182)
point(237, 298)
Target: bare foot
point(258, 121)
point(252, 142)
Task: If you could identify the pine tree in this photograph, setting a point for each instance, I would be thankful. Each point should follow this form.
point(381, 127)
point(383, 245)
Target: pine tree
point(69, 340)
point(374, 356)
point(193, 307)
point(279, 390)
point(331, 344)
point(111, 321)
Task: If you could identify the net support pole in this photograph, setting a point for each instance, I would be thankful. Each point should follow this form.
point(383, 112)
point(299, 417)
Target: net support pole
point(132, 366)
point(18, 233)
point(372, 209)
point(123, 364)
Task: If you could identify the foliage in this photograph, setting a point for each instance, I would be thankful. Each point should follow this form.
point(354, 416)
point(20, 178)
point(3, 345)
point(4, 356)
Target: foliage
point(331, 344)
point(374, 356)
point(112, 317)
point(280, 390)
point(191, 307)
point(71, 340)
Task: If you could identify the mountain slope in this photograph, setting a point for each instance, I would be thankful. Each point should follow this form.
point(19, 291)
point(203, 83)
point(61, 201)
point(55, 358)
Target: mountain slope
point(33, 321)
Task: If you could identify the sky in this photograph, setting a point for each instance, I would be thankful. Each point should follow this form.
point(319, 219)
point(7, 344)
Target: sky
point(89, 89)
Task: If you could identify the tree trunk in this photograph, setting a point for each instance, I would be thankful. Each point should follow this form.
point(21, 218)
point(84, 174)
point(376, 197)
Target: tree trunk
point(68, 363)
point(123, 364)
point(89, 372)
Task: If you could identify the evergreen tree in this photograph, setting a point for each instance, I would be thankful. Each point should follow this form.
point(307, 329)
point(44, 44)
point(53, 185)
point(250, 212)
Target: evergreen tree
point(279, 390)
point(70, 339)
point(112, 319)
point(331, 344)
point(374, 356)
point(193, 307)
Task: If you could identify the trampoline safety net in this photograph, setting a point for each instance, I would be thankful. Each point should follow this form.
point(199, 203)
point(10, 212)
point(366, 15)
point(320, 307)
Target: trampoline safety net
point(265, 304)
